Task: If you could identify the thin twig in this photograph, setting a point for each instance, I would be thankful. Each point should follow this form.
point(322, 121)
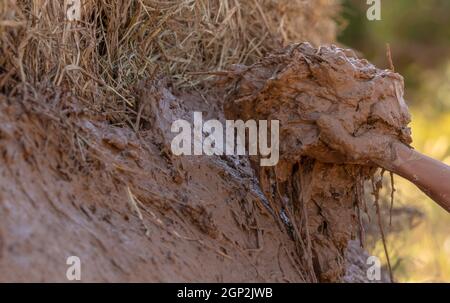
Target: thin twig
point(376, 189)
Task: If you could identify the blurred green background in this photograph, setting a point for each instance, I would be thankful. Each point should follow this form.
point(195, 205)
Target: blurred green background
point(418, 32)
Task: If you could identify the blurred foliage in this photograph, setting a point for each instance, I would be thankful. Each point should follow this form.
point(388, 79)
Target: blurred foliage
point(419, 36)
point(418, 33)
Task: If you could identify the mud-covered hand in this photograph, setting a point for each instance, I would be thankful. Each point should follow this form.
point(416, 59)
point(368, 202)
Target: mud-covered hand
point(429, 175)
point(371, 147)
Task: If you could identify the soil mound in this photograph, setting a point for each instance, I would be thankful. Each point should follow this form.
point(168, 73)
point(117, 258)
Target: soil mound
point(85, 163)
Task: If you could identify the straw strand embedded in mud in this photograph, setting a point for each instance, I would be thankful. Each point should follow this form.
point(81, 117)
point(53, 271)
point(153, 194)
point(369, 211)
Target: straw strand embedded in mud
point(305, 251)
point(392, 196)
point(376, 187)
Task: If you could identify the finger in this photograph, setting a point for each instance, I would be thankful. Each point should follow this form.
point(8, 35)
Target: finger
point(333, 133)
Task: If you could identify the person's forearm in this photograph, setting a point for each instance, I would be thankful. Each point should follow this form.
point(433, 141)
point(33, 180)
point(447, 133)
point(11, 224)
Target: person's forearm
point(431, 176)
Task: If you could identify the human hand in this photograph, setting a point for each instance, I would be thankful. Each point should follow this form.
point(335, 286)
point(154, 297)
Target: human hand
point(372, 147)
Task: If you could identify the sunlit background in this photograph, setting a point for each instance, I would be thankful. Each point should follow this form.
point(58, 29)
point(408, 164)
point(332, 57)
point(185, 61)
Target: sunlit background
point(418, 32)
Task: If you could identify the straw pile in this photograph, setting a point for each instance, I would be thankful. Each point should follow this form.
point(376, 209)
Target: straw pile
point(102, 56)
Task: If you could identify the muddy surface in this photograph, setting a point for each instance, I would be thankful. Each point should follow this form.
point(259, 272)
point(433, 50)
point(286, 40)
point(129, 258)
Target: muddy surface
point(73, 184)
point(85, 162)
point(333, 109)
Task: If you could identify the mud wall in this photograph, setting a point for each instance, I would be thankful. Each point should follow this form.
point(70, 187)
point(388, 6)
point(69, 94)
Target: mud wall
point(86, 169)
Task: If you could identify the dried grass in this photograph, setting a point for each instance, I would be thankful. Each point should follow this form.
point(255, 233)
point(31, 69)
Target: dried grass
point(117, 43)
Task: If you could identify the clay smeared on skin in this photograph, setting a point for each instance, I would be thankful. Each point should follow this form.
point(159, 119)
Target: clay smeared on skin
point(328, 102)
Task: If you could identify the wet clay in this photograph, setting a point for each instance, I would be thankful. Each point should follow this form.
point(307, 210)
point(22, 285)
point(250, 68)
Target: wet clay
point(339, 115)
point(73, 184)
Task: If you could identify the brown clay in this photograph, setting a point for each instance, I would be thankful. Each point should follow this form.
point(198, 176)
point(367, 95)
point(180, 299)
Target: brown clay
point(333, 109)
